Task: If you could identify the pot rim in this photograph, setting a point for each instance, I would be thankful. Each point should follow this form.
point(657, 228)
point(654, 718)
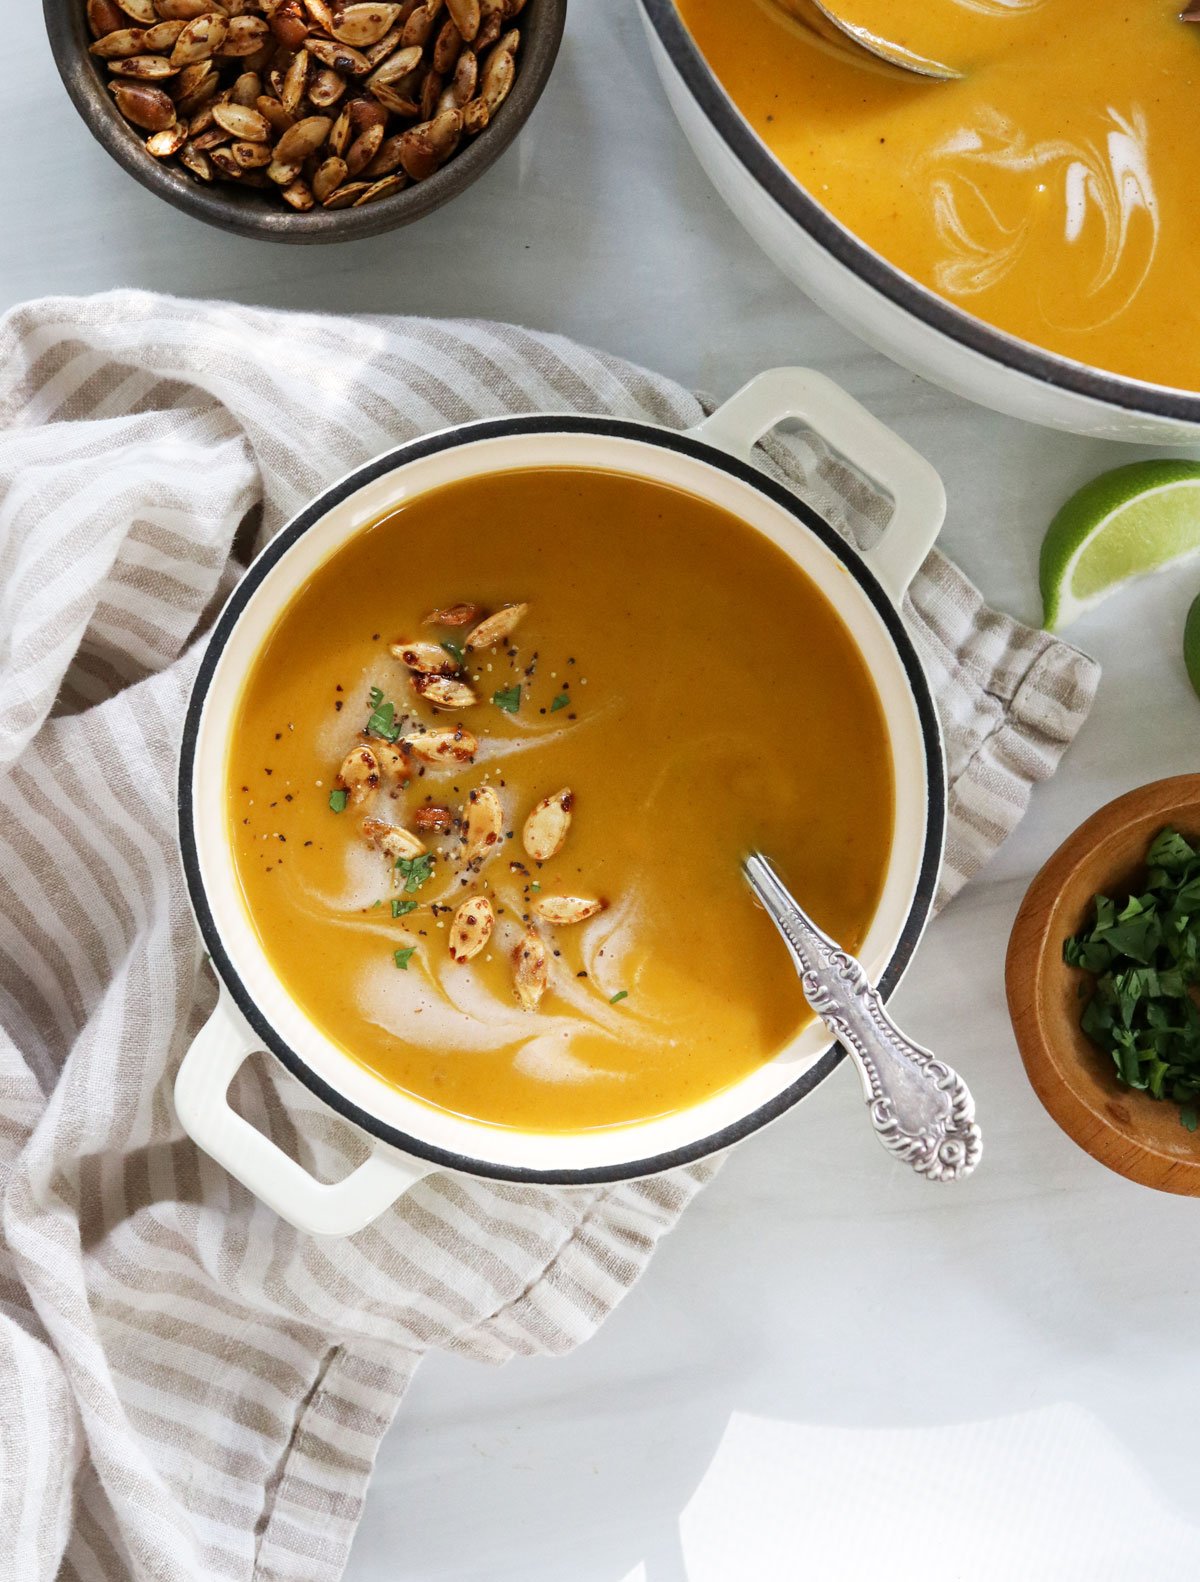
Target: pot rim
point(765, 170)
point(620, 429)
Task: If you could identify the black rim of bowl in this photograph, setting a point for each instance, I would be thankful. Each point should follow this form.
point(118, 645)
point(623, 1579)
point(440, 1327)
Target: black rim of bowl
point(502, 428)
point(253, 213)
point(1048, 368)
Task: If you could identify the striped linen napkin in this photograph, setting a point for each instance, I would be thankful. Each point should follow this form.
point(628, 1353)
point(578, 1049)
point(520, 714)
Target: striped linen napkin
point(189, 1389)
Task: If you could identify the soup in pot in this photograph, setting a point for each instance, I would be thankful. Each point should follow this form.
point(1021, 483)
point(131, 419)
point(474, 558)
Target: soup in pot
point(492, 774)
point(1050, 191)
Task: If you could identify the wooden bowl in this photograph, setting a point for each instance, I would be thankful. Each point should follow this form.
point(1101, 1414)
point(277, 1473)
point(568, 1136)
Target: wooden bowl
point(251, 213)
point(1128, 1131)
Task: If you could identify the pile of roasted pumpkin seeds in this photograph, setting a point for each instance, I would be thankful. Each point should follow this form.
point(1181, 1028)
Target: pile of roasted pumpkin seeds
point(323, 103)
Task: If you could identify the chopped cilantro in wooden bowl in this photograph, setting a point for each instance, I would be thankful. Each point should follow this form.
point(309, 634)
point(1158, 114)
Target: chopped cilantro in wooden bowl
point(1108, 1023)
point(1143, 954)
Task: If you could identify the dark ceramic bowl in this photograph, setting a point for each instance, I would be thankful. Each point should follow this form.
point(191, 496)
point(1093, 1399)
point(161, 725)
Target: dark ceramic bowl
point(253, 213)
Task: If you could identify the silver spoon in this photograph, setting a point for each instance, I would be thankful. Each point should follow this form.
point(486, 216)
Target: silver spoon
point(921, 1110)
point(818, 18)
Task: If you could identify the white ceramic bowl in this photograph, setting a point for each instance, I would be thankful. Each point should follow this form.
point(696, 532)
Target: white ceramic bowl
point(869, 295)
point(255, 1010)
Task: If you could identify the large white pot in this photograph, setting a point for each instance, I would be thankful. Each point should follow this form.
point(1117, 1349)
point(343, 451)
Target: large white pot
point(876, 300)
point(255, 1010)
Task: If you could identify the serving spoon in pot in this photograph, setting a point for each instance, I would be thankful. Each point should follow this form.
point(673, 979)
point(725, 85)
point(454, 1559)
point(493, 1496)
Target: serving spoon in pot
point(826, 24)
point(921, 1110)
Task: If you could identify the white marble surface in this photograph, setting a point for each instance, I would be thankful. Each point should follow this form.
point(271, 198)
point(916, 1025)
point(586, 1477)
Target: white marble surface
point(831, 1369)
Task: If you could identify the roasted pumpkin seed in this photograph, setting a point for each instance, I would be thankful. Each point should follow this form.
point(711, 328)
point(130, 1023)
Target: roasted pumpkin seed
point(426, 148)
point(328, 176)
point(386, 160)
point(325, 88)
point(247, 125)
point(392, 839)
point(382, 189)
point(245, 36)
point(197, 162)
point(144, 105)
point(545, 830)
point(443, 692)
point(123, 42)
point(364, 24)
point(499, 73)
point(347, 194)
point(359, 774)
point(105, 16)
point(163, 144)
point(249, 155)
point(178, 10)
point(471, 928)
point(498, 626)
point(485, 825)
point(434, 819)
point(428, 659)
point(456, 746)
point(531, 970)
point(298, 195)
point(224, 161)
point(143, 68)
point(247, 90)
point(453, 615)
point(274, 112)
point(393, 763)
point(465, 15)
point(461, 87)
point(562, 910)
point(303, 139)
point(358, 156)
point(395, 102)
point(199, 39)
point(288, 22)
point(342, 57)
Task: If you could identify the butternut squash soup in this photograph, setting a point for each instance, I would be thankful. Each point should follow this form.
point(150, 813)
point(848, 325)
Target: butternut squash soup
point(1051, 191)
point(492, 775)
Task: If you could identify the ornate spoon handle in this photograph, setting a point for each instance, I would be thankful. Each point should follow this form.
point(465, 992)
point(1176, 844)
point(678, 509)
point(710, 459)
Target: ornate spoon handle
point(922, 1111)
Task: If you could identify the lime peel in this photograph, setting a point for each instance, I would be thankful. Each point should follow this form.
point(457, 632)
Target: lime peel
point(1191, 645)
point(1125, 524)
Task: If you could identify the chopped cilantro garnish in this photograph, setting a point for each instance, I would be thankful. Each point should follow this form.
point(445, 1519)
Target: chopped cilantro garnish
point(560, 702)
point(453, 649)
point(535, 885)
point(1144, 956)
point(509, 699)
point(375, 697)
point(403, 908)
point(383, 722)
point(621, 994)
point(338, 800)
point(403, 957)
point(415, 871)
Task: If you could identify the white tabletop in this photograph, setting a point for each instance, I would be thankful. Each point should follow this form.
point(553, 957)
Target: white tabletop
point(831, 1369)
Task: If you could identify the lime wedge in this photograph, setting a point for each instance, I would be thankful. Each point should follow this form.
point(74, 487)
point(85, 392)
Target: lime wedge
point(1191, 645)
point(1122, 525)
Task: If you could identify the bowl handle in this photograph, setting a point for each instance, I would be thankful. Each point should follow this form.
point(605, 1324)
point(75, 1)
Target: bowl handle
point(337, 1208)
point(918, 497)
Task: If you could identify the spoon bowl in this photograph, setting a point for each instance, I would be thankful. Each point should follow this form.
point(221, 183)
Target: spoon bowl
point(835, 30)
